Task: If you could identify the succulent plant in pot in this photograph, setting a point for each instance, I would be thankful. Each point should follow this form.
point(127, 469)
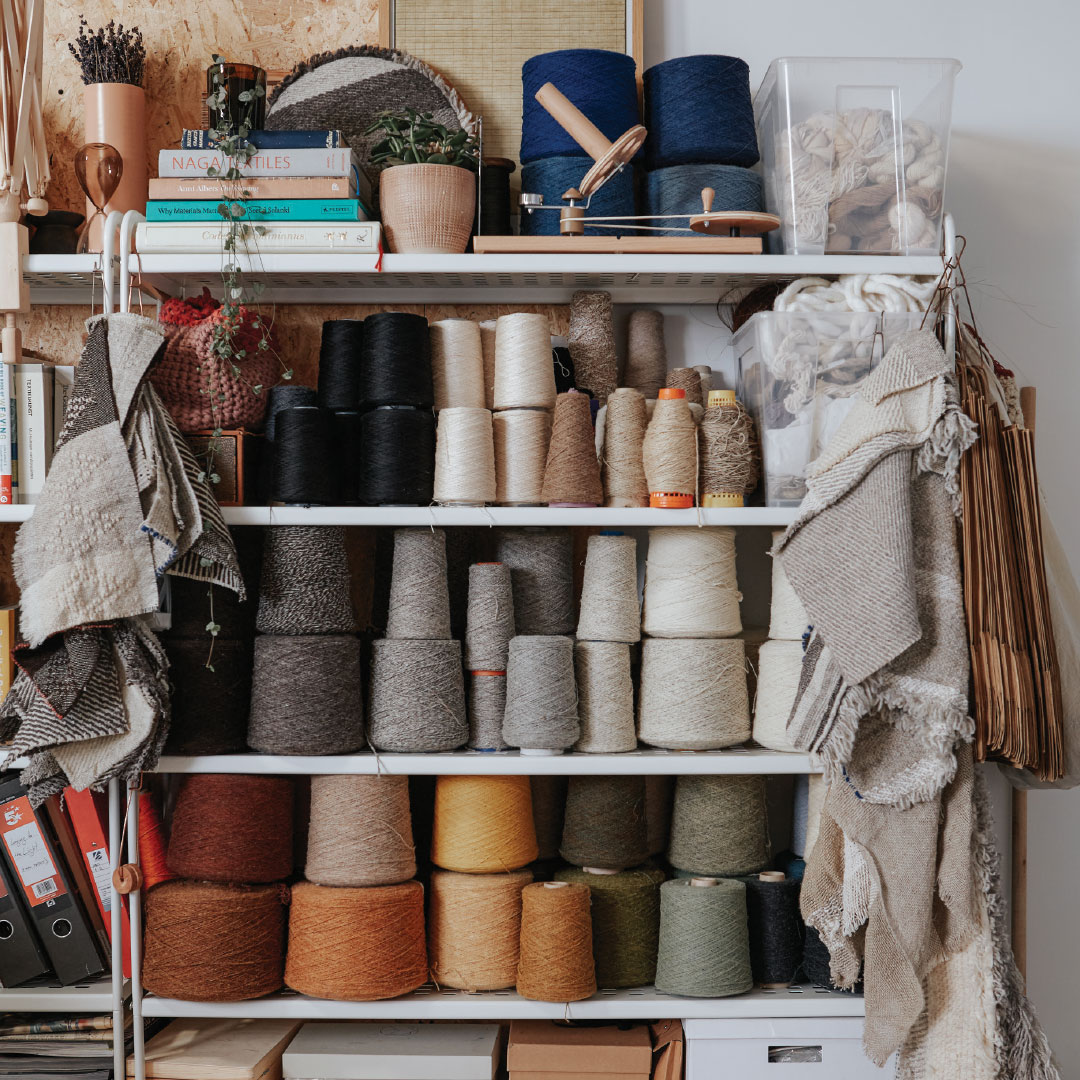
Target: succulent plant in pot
point(427, 189)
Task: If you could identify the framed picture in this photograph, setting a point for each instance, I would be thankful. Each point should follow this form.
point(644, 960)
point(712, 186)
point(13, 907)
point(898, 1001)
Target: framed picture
point(480, 46)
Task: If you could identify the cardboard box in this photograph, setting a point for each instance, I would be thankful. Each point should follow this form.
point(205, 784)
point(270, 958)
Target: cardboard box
point(668, 1049)
point(545, 1050)
point(235, 461)
point(218, 1049)
point(325, 1051)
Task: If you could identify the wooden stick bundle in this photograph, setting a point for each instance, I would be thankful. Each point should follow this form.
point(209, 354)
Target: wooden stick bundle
point(1017, 699)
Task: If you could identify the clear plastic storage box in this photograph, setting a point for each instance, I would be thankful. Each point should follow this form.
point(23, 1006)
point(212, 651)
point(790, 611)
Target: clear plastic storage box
point(798, 377)
point(854, 153)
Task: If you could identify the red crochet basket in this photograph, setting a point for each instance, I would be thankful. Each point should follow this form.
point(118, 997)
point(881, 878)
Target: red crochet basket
point(190, 378)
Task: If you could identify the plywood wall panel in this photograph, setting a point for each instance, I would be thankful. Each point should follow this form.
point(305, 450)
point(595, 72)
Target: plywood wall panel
point(181, 38)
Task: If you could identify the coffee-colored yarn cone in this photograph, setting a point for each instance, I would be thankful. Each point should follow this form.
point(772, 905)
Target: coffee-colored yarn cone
point(719, 825)
point(419, 593)
point(591, 340)
point(625, 923)
point(572, 474)
point(605, 697)
point(669, 451)
point(490, 619)
point(233, 829)
point(541, 570)
point(622, 469)
point(304, 587)
point(356, 944)
point(209, 942)
point(483, 824)
point(306, 696)
point(541, 693)
point(556, 962)
point(360, 833)
point(474, 929)
point(688, 379)
point(605, 822)
point(549, 803)
point(610, 610)
point(704, 940)
point(646, 358)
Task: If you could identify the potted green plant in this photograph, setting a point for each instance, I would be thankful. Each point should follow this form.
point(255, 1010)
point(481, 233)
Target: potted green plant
point(427, 190)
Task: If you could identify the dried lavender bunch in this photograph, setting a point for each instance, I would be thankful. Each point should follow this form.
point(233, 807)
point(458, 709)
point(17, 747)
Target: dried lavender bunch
point(109, 54)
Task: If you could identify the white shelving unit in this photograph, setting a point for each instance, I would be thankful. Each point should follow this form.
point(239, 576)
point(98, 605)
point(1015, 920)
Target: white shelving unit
point(602, 517)
point(463, 279)
point(430, 1003)
point(448, 279)
point(91, 998)
point(738, 761)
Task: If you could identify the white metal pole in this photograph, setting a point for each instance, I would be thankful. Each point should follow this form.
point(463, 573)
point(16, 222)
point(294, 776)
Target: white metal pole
point(119, 1027)
point(135, 917)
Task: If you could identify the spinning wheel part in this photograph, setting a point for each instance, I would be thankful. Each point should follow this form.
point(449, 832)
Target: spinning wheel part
point(736, 222)
point(608, 156)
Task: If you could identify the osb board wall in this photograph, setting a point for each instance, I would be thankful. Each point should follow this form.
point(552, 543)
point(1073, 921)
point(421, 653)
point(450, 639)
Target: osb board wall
point(55, 333)
point(181, 38)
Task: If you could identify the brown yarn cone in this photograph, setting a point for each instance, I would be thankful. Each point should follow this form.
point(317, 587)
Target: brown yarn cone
point(591, 340)
point(646, 358)
point(356, 944)
point(556, 961)
point(686, 378)
point(207, 942)
point(573, 473)
point(233, 828)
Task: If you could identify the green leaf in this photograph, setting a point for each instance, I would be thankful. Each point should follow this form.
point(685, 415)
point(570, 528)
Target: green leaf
point(205, 563)
point(438, 159)
point(214, 478)
point(214, 628)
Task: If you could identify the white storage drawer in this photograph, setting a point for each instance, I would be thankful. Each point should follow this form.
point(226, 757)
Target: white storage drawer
point(830, 1048)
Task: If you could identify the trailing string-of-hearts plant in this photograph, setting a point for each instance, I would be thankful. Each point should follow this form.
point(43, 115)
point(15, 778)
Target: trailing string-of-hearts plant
point(240, 324)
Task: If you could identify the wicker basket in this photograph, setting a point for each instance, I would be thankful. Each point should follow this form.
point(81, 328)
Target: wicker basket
point(427, 209)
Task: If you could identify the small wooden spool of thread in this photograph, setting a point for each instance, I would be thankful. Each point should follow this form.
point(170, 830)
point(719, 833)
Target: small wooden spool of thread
point(556, 962)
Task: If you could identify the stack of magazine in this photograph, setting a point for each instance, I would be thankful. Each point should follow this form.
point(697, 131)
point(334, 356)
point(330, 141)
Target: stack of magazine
point(41, 1047)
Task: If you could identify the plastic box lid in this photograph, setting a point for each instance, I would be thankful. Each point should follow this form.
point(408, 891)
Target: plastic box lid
point(334, 1051)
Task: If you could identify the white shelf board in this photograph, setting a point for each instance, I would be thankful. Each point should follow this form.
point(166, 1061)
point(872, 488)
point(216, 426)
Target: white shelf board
point(770, 516)
point(429, 1003)
point(735, 761)
point(64, 279)
point(490, 279)
point(92, 998)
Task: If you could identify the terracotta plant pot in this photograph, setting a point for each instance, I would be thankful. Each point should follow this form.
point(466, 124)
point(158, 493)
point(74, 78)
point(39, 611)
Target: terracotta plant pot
point(427, 209)
point(115, 113)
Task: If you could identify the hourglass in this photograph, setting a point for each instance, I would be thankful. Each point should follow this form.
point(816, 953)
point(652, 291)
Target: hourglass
point(98, 167)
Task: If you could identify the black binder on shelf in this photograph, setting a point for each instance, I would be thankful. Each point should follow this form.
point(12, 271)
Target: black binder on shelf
point(21, 956)
point(45, 885)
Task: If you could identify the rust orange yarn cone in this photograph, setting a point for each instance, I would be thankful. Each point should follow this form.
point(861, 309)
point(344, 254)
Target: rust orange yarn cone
point(556, 962)
point(356, 944)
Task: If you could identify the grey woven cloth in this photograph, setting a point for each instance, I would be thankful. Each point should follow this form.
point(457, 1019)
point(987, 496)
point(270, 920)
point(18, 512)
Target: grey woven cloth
point(873, 556)
point(124, 501)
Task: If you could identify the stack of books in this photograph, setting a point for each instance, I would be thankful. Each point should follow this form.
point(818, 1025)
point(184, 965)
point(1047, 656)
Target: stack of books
point(304, 188)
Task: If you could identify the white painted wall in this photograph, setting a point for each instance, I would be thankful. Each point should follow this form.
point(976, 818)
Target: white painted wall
point(1014, 187)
